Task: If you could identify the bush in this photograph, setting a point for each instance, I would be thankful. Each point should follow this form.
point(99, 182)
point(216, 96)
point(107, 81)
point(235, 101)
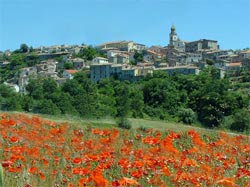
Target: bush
point(124, 123)
point(241, 121)
point(227, 122)
point(143, 128)
point(187, 115)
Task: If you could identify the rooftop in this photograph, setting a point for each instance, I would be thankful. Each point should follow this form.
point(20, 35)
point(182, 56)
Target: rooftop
point(116, 42)
point(71, 71)
point(244, 52)
point(153, 52)
point(77, 59)
point(103, 64)
point(101, 58)
point(234, 64)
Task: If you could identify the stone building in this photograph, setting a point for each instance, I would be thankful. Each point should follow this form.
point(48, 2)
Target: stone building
point(105, 70)
point(120, 45)
point(200, 45)
point(123, 45)
point(186, 70)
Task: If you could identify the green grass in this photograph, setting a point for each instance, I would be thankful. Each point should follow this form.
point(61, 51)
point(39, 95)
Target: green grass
point(1, 176)
point(136, 123)
point(159, 125)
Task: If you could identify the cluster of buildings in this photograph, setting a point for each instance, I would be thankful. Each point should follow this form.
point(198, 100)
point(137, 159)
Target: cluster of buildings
point(120, 60)
point(177, 57)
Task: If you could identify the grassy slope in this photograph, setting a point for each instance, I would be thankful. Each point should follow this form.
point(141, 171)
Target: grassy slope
point(136, 123)
point(110, 122)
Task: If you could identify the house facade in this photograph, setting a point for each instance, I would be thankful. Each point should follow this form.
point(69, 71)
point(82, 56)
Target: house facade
point(139, 47)
point(100, 60)
point(102, 71)
point(120, 45)
point(119, 59)
point(186, 70)
point(78, 63)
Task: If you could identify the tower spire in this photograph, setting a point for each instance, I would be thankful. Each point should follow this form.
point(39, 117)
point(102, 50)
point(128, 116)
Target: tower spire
point(173, 29)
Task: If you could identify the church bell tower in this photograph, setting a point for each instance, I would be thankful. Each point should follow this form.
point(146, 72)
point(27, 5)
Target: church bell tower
point(172, 36)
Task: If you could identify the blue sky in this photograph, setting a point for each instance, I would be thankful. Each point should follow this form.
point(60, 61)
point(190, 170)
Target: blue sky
point(50, 22)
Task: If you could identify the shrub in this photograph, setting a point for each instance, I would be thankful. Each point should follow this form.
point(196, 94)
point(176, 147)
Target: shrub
point(124, 123)
point(143, 128)
point(241, 121)
point(227, 122)
point(187, 115)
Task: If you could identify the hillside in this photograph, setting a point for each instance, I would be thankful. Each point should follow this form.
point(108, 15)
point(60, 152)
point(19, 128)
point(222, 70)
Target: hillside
point(37, 151)
point(135, 123)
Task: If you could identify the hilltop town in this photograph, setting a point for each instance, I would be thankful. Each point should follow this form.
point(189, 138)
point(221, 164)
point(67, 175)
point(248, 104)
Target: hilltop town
point(122, 60)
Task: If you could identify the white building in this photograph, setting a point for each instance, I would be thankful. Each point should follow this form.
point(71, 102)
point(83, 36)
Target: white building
point(100, 60)
point(15, 87)
point(139, 47)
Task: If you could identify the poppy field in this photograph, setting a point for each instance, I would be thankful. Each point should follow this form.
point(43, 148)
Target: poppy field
point(39, 152)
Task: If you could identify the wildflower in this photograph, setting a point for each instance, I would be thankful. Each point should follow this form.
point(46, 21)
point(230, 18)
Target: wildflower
point(227, 182)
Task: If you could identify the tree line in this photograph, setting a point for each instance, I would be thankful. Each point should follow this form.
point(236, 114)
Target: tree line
point(193, 99)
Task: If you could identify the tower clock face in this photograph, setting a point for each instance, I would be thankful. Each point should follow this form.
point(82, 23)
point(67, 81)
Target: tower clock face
point(174, 37)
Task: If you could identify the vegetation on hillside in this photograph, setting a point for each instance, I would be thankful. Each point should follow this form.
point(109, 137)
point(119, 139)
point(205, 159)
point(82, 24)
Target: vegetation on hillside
point(191, 99)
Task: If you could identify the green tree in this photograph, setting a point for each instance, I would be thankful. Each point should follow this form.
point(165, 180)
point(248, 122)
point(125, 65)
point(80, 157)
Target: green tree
point(106, 98)
point(132, 62)
point(68, 65)
point(49, 86)
point(16, 61)
point(84, 93)
point(136, 101)
point(63, 101)
point(162, 93)
point(13, 103)
point(85, 104)
point(72, 87)
point(31, 49)
point(27, 103)
point(35, 89)
point(6, 91)
point(65, 104)
point(209, 62)
point(10, 100)
point(88, 53)
point(209, 98)
point(32, 59)
point(122, 99)
point(138, 57)
point(46, 106)
point(24, 48)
